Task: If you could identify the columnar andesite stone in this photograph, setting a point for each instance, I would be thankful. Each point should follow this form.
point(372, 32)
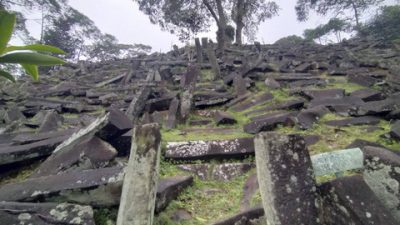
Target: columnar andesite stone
point(286, 179)
point(141, 177)
point(45, 214)
point(349, 200)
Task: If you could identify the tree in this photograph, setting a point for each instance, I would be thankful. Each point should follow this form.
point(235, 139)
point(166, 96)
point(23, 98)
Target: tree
point(335, 26)
point(323, 7)
point(385, 25)
point(27, 56)
point(248, 14)
point(108, 48)
point(193, 16)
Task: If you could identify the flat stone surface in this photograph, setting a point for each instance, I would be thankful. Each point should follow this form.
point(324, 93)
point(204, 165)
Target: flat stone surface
point(269, 122)
point(287, 105)
point(209, 149)
point(285, 176)
point(260, 99)
point(89, 154)
point(169, 189)
point(59, 185)
point(382, 174)
point(324, 94)
point(30, 138)
point(365, 120)
point(221, 172)
point(337, 161)
point(221, 117)
point(243, 218)
point(45, 214)
point(308, 117)
point(349, 200)
point(395, 130)
point(367, 95)
point(20, 153)
point(381, 107)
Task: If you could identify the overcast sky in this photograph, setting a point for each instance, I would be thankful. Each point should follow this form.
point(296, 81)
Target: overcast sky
point(123, 19)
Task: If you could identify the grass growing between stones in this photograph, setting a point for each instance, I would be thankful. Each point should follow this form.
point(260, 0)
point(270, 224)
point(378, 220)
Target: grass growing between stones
point(335, 138)
point(206, 201)
point(203, 135)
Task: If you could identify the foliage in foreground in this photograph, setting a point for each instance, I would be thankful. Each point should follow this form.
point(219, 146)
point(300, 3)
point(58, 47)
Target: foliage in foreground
point(26, 56)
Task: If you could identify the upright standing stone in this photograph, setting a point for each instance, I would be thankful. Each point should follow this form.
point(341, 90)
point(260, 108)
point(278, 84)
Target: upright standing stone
point(138, 103)
point(286, 179)
point(172, 114)
point(214, 63)
point(199, 51)
point(141, 177)
point(240, 85)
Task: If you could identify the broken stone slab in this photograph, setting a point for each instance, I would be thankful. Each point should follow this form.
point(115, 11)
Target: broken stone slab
point(285, 175)
point(114, 125)
point(261, 99)
point(364, 120)
point(21, 153)
point(240, 85)
point(350, 102)
point(112, 80)
point(13, 114)
point(22, 139)
point(380, 108)
point(189, 79)
point(159, 104)
point(382, 174)
point(69, 186)
point(308, 117)
point(395, 130)
point(221, 117)
point(294, 104)
point(221, 172)
point(172, 114)
point(366, 81)
point(323, 94)
point(216, 100)
point(51, 122)
point(272, 83)
point(238, 147)
point(169, 189)
point(349, 200)
point(269, 122)
point(138, 197)
point(243, 218)
point(186, 103)
point(307, 83)
point(89, 154)
point(337, 161)
point(367, 95)
point(45, 213)
point(395, 114)
point(138, 103)
point(250, 188)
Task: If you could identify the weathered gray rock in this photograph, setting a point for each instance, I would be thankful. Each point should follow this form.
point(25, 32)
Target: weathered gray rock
point(250, 187)
point(364, 120)
point(324, 94)
point(240, 85)
point(381, 107)
point(100, 187)
point(89, 154)
point(209, 149)
point(21, 139)
point(169, 189)
point(286, 179)
point(261, 99)
point(294, 104)
point(138, 199)
point(21, 153)
point(138, 103)
point(45, 214)
point(349, 200)
point(395, 130)
point(172, 114)
point(269, 122)
point(272, 83)
point(367, 95)
point(222, 172)
point(51, 122)
point(243, 218)
point(221, 117)
point(13, 114)
point(382, 174)
point(308, 117)
point(115, 124)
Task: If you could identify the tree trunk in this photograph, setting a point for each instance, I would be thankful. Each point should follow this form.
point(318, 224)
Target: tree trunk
point(240, 12)
point(221, 36)
point(356, 15)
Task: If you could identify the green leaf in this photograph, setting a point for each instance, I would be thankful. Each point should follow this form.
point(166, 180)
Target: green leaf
point(37, 47)
point(7, 75)
point(31, 70)
point(31, 58)
point(7, 21)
